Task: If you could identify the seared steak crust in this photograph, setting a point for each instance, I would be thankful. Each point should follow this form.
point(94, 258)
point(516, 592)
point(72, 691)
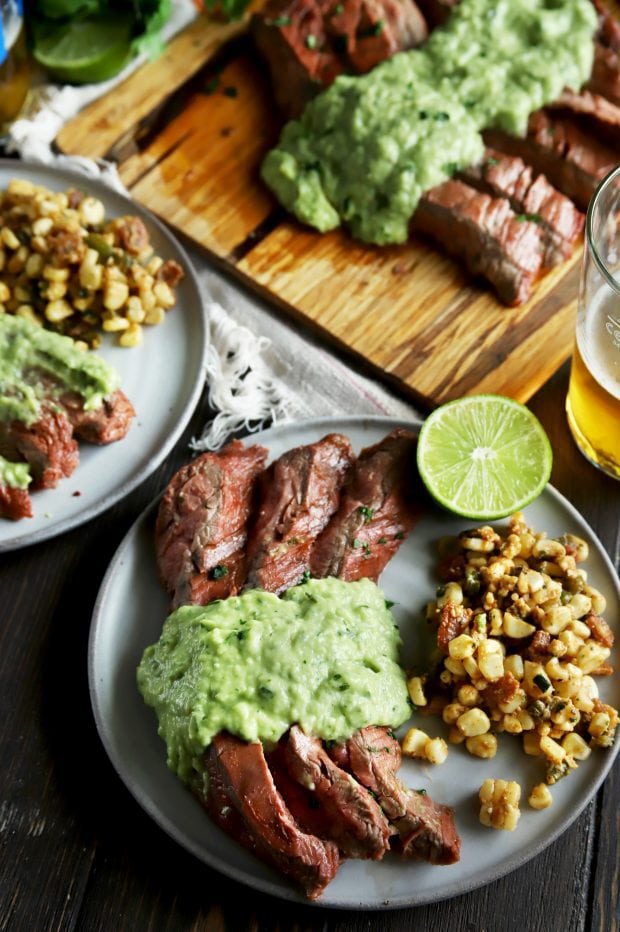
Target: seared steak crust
point(14, 503)
point(355, 821)
point(200, 533)
point(530, 196)
point(240, 780)
point(47, 446)
point(296, 497)
point(376, 512)
point(105, 424)
point(426, 829)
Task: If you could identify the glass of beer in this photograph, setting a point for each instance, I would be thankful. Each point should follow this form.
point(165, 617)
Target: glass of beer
point(593, 402)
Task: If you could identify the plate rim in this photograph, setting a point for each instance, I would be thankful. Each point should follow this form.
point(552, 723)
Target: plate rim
point(264, 885)
point(103, 190)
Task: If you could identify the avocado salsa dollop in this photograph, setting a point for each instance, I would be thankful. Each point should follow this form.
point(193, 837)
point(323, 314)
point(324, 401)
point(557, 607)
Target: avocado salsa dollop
point(364, 151)
point(324, 656)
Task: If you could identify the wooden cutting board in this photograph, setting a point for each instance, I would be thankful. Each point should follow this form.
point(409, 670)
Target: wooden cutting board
point(189, 132)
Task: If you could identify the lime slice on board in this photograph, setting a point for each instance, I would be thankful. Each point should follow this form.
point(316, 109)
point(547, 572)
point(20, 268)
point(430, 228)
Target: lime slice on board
point(484, 456)
point(87, 50)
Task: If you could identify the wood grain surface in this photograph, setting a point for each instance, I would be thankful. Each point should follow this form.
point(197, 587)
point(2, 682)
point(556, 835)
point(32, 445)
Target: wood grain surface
point(411, 312)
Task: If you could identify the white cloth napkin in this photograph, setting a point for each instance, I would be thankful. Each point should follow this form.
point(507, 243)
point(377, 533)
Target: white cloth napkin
point(253, 379)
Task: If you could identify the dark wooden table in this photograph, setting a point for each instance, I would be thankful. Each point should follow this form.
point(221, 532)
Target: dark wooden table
point(78, 853)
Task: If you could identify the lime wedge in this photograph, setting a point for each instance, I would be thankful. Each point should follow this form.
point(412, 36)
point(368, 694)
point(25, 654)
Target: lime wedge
point(484, 456)
point(86, 50)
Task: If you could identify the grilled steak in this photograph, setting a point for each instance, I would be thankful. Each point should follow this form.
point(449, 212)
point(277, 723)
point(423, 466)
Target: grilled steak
point(600, 115)
point(426, 829)
point(308, 43)
point(486, 234)
point(47, 446)
point(240, 780)
point(354, 820)
point(105, 424)
point(297, 495)
point(377, 511)
point(437, 11)
point(557, 147)
point(14, 503)
point(200, 533)
point(532, 196)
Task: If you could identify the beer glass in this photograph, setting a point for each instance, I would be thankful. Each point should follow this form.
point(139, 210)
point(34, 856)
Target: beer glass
point(593, 402)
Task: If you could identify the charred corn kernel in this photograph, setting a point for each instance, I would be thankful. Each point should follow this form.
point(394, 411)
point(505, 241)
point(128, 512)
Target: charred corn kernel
point(591, 655)
point(499, 801)
point(580, 629)
point(473, 722)
point(19, 189)
point(17, 261)
point(83, 304)
point(452, 592)
point(548, 549)
point(526, 720)
point(436, 751)
point(571, 642)
point(565, 713)
point(599, 602)
point(91, 211)
point(484, 746)
point(515, 702)
point(115, 324)
point(48, 207)
point(495, 622)
point(455, 736)
point(22, 294)
point(461, 647)
point(575, 746)
point(115, 295)
point(91, 276)
point(25, 310)
point(132, 336)
point(490, 659)
point(514, 627)
point(580, 605)
point(452, 711)
point(477, 544)
point(512, 724)
point(556, 619)
point(55, 311)
point(414, 743)
point(154, 265)
point(540, 796)
point(53, 274)
point(34, 265)
point(135, 312)
point(552, 750)
point(42, 226)
point(9, 239)
point(531, 743)
point(163, 294)
point(555, 670)
point(514, 664)
point(148, 300)
point(599, 724)
point(55, 291)
point(471, 667)
point(455, 667)
point(155, 315)
point(415, 688)
point(446, 677)
point(468, 695)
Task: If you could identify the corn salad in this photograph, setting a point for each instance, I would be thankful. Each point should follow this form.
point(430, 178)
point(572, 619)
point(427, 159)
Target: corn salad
point(522, 640)
point(64, 265)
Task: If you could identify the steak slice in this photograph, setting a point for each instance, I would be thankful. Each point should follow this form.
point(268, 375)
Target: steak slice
point(426, 829)
point(240, 779)
point(356, 823)
point(557, 147)
point(486, 234)
point(600, 115)
point(296, 497)
point(105, 424)
point(437, 11)
point(47, 446)
point(605, 77)
point(377, 511)
point(200, 532)
point(531, 195)
point(380, 29)
point(14, 503)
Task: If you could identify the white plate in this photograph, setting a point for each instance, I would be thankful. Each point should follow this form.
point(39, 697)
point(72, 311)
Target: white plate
point(163, 379)
point(129, 614)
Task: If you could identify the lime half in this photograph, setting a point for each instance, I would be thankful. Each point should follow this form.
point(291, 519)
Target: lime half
point(87, 50)
point(484, 456)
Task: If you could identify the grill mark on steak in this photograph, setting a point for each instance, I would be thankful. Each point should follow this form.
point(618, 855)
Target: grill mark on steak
point(202, 524)
point(14, 503)
point(426, 829)
point(240, 780)
point(354, 820)
point(557, 147)
point(377, 511)
point(47, 446)
point(508, 176)
point(296, 497)
point(486, 234)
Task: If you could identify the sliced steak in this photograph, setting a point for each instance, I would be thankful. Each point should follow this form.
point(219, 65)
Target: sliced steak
point(426, 829)
point(356, 823)
point(486, 234)
point(605, 77)
point(378, 509)
point(47, 446)
point(531, 196)
point(599, 115)
point(296, 497)
point(437, 11)
point(240, 779)
point(201, 527)
point(557, 147)
point(105, 424)
point(14, 503)
point(308, 43)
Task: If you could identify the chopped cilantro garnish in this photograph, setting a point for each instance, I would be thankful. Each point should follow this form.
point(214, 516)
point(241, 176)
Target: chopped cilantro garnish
point(219, 571)
point(399, 535)
point(366, 513)
point(311, 42)
point(279, 21)
point(356, 543)
point(231, 91)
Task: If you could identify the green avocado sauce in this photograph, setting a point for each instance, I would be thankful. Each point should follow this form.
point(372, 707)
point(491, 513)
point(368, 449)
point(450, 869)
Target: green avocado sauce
point(28, 353)
point(325, 656)
point(364, 151)
point(14, 475)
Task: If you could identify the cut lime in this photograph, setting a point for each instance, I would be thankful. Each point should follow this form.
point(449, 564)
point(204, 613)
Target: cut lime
point(86, 50)
point(484, 456)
